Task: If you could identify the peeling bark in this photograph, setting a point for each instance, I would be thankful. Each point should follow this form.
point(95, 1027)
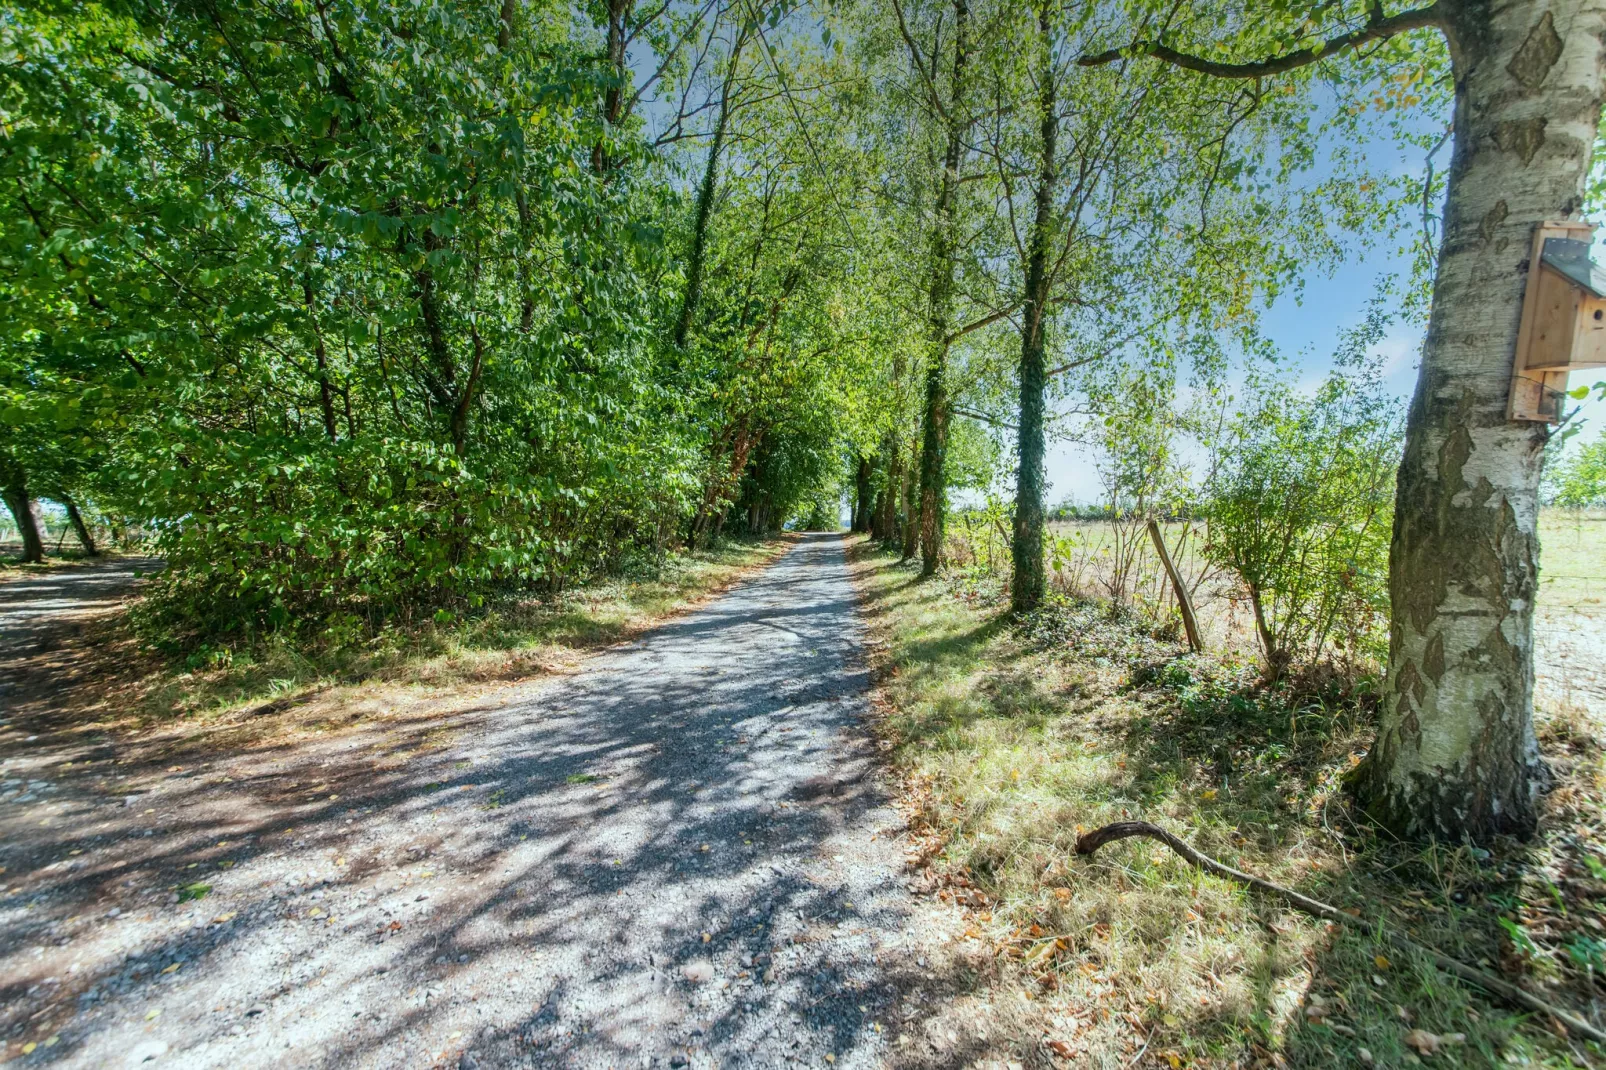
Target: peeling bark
point(1456, 755)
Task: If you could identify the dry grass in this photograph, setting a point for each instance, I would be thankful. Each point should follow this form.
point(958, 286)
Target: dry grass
point(1013, 738)
point(1572, 574)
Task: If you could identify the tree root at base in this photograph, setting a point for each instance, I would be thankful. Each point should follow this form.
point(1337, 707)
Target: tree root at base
point(1504, 990)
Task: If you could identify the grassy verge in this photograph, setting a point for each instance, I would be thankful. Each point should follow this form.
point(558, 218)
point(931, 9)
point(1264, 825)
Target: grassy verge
point(314, 681)
point(1014, 737)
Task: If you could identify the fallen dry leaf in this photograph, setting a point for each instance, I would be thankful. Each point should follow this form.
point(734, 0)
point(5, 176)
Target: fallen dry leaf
point(1427, 1043)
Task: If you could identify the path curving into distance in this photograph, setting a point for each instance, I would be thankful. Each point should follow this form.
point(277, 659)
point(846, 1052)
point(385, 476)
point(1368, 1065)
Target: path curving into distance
point(679, 855)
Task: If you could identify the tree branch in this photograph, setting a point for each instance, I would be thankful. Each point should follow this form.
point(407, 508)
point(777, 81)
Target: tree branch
point(976, 325)
point(959, 410)
point(1377, 28)
point(1089, 842)
point(915, 57)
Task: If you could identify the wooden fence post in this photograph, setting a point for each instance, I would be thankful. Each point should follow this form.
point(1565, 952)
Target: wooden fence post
point(1189, 622)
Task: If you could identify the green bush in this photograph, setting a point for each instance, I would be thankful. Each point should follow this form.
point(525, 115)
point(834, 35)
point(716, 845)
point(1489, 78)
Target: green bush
point(1300, 507)
point(1578, 481)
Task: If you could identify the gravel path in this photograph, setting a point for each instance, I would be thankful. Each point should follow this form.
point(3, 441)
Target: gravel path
point(41, 612)
point(679, 855)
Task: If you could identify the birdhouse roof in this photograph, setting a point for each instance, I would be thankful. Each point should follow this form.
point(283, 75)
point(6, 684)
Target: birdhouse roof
point(1570, 257)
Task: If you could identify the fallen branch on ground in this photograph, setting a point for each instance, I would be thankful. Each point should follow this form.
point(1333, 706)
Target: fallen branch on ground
point(1089, 842)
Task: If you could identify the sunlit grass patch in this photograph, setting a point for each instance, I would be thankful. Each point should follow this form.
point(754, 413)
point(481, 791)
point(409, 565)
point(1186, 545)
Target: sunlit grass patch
point(1013, 738)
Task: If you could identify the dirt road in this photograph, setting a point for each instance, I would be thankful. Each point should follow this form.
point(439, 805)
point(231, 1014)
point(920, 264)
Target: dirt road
point(42, 612)
point(679, 855)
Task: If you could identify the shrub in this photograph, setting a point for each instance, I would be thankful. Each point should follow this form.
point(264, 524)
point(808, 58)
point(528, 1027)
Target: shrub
point(1301, 507)
point(1578, 481)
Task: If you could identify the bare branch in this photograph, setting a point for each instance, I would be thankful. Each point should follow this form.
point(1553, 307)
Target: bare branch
point(976, 325)
point(1377, 28)
point(995, 421)
point(914, 56)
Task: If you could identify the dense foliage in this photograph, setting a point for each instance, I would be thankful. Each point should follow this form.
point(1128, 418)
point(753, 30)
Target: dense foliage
point(370, 308)
point(360, 307)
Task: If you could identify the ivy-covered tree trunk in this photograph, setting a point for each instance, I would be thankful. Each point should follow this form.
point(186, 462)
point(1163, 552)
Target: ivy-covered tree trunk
point(934, 418)
point(15, 491)
point(1026, 547)
point(890, 495)
point(911, 521)
point(862, 502)
point(1456, 754)
point(698, 253)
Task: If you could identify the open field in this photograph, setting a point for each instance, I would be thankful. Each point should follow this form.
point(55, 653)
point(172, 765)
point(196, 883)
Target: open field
point(1570, 631)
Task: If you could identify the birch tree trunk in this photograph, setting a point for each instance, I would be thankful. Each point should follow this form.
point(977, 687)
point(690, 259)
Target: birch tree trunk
point(1456, 754)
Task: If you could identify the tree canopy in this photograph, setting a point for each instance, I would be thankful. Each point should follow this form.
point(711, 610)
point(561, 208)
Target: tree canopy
point(371, 308)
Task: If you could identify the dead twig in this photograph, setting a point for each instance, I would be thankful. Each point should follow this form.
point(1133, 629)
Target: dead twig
point(1121, 830)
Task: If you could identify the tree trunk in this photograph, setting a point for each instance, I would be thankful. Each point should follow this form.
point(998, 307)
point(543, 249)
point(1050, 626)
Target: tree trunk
point(1190, 622)
point(889, 497)
point(705, 200)
point(15, 492)
point(911, 523)
point(612, 97)
point(326, 399)
point(934, 420)
point(81, 529)
point(861, 503)
point(1456, 754)
point(1276, 657)
point(710, 517)
point(1026, 547)
point(504, 27)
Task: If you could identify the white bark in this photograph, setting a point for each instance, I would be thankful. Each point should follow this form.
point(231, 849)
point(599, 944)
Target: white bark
point(1456, 753)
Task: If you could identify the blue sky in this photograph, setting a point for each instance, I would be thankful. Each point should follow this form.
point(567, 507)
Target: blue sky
point(1308, 331)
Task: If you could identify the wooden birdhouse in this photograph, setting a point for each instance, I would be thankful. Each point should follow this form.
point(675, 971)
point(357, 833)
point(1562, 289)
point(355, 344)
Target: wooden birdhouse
point(1563, 321)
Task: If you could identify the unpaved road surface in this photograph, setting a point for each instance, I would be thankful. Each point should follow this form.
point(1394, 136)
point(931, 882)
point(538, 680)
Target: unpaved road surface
point(678, 855)
point(40, 614)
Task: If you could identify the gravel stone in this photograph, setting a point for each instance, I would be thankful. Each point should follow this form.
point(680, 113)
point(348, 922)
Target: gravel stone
point(555, 825)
